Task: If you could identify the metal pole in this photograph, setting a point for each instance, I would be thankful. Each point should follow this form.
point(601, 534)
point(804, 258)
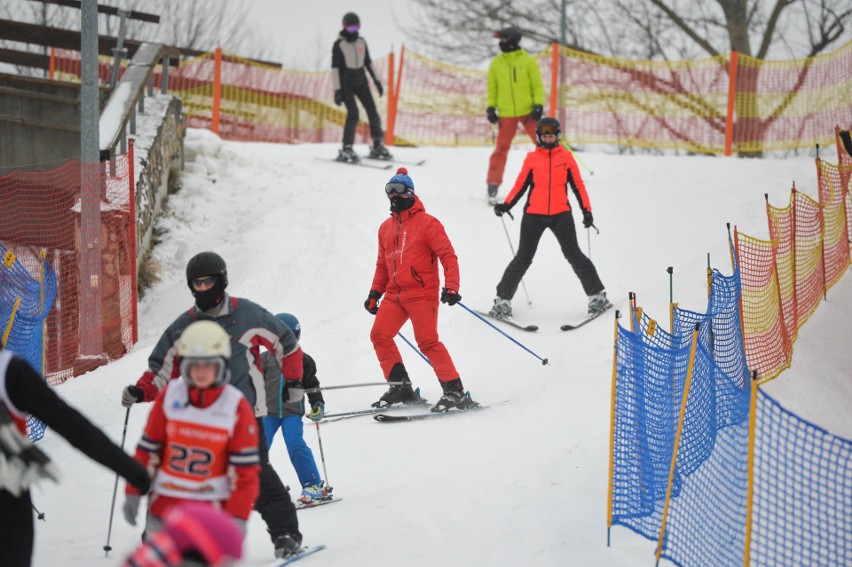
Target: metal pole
point(107, 547)
point(91, 340)
point(322, 458)
point(512, 248)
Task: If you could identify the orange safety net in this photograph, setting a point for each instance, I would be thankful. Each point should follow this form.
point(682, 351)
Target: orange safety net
point(93, 319)
point(648, 104)
point(765, 336)
point(252, 102)
point(730, 103)
point(833, 183)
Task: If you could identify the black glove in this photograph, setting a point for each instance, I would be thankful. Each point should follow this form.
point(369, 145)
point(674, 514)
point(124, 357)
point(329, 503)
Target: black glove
point(450, 296)
point(491, 114)
point(380, 88)
point(537, 111)
point(501, 208)
point(588, 219)
point(132, 395)
point(372, 303)
point(338, 97)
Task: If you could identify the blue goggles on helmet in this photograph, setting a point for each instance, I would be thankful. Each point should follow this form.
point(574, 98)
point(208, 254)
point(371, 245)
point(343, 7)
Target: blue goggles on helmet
point(352, 28)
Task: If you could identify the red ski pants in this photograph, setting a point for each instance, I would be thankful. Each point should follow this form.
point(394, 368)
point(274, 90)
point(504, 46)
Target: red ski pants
point(423, 314)
point(505, 134)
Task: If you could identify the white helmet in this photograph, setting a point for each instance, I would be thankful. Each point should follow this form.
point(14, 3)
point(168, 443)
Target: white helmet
point(205, 341)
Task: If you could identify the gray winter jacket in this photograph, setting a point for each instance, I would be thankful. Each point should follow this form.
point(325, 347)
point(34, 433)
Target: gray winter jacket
point(251, 327)
point(276, 387)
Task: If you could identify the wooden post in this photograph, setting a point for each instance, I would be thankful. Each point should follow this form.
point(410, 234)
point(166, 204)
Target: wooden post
point(554, 79)
point(612, 429)
point(217, 89)
point(678, 434)
point(732, 98)
point(389, 135)
point(752, 423)
point(131, 197)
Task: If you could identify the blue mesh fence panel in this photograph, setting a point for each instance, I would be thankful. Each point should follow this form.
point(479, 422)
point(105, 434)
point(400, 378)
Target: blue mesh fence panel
point(18, 285)
point(802, 511)
point(710, 481)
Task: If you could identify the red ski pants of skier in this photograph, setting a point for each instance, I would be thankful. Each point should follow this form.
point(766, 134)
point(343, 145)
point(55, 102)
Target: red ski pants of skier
point(507, 127)
point(423, 314)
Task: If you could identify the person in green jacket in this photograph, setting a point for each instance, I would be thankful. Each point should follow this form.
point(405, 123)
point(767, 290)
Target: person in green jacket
point(515, 96)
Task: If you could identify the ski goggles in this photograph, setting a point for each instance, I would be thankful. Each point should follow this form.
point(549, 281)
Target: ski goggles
point(353, 28)
point(396, 188)
point(204, 281)
point(548, 130)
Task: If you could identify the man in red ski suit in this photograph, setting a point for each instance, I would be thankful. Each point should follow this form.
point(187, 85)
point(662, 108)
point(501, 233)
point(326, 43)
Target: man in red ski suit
point(410, 243)
point(201, 437)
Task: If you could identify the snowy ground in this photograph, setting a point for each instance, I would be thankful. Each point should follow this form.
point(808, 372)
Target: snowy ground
point(522, 483)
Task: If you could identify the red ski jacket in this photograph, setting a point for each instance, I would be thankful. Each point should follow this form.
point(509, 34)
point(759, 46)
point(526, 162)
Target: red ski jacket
point(410, 243)
point(547, 173)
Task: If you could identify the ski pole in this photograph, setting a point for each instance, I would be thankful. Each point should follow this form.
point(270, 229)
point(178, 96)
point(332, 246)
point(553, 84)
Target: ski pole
point(589, 240)
point(40, 515)
point(487, 322)
point(423, 356)
point(576, 157)
point(512, 248)
point(322, 458)
point(323, 388)
point(107, 547)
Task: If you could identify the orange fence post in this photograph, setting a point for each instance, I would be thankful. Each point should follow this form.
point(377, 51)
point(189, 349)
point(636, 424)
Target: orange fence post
point(398, 87)
point(554, 78)
point(390, 100)
point(732, 96)
point(217, 89)
point(131, 199)
point(52, 63)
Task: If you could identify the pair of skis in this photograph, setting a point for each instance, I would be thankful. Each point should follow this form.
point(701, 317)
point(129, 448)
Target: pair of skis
point(376, 163)
point(532, 328)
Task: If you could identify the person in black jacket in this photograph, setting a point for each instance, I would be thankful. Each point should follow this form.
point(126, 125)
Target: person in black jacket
point(23, 391)
point(349, 60)
point(287, 416)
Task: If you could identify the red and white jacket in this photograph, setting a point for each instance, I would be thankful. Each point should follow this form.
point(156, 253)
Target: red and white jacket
point(201, 445)
point(547, 174)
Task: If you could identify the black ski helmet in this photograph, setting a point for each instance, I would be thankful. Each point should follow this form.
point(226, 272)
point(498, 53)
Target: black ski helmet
point(206, 264)
point(511, 34)
point(551, 122)
point(351, 19)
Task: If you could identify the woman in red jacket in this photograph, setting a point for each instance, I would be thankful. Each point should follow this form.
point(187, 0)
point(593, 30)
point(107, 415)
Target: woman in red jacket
point(410, 243)
point(546, 172)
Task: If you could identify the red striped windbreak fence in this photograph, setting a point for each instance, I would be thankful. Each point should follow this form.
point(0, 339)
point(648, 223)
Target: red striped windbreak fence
point(784, 278)
point(720, 105)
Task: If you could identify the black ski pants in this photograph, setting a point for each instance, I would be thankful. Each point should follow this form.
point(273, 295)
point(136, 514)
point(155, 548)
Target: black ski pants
point(562, 226)
point(16, 529)
point(273, 502)
point(366, 97)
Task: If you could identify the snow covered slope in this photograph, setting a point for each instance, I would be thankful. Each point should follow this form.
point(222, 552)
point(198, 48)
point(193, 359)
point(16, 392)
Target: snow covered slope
point(522, 483)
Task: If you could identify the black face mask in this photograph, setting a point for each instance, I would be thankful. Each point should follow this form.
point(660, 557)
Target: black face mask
point(349, 36)
point(209, 298)
point(399, 204)
point(506, 47)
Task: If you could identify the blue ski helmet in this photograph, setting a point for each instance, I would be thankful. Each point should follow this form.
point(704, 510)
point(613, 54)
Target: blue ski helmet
point(292, 322)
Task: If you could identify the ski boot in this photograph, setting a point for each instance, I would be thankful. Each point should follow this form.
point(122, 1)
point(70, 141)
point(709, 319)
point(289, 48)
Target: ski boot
point(348, 155)
point(379, 151)
point(287, 545)
point(454, 397)
point(313, 493)
point(492, 195)
point(400, 391)
point(598, 303)
point(502, 308)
